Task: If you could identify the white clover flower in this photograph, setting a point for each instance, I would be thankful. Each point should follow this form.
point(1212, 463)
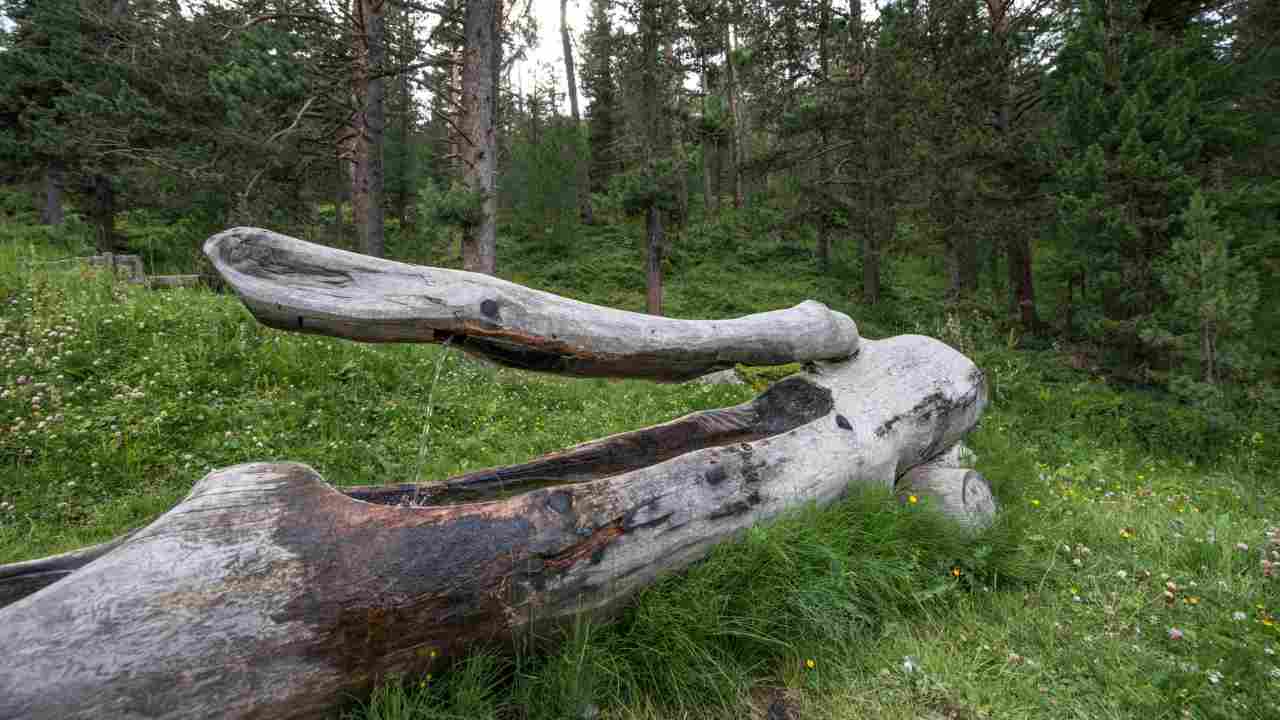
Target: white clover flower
point(1215, 677)
point(910, 664)
point(1239, 616)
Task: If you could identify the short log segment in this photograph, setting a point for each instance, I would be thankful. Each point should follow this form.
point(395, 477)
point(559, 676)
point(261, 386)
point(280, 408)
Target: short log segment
point(267, 593)
point(295, 285)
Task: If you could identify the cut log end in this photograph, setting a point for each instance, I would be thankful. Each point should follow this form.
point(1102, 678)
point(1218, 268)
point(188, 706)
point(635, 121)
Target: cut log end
point(959, 493)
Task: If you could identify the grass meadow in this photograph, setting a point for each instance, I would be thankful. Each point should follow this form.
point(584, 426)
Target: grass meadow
point(1134, 570)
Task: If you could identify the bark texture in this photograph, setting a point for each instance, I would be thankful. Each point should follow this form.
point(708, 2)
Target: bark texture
point(54, 184)
point(295, 285)
point(375, 121)
point(268, 593)
point(479, 142)
point(581, 165)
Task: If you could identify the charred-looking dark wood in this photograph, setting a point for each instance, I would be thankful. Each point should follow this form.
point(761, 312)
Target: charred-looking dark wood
point(294, 285)
point(783, 407)
point(267, 593)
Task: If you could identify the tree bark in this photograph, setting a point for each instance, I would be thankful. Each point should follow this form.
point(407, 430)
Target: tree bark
point(478, 145)
point(54, 183)
point(735, 141)
point(651, 99)
point(710, 203)
point(355, 144)
point(295, 285)
point(582, 188)
point(269, 593)
point(1021, 288)
point(653, 260)
point(104, 214)
point(375, 122)
point(824, 159)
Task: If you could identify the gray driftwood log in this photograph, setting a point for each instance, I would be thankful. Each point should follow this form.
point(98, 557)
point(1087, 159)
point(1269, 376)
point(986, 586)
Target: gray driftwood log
point(296, 285)
point(268, 593)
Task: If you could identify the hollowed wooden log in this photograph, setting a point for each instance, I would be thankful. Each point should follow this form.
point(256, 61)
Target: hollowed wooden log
point(267, 593)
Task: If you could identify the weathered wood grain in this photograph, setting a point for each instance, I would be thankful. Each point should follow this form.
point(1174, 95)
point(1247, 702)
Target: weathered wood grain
point(295, 285)
point(267, 593)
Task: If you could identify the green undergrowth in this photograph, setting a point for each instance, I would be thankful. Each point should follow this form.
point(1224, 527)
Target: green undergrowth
point(1125, 576)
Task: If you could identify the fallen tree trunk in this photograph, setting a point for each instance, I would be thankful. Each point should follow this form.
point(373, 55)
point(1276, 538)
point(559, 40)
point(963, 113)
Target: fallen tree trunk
point(268, 593)
point(294, 285)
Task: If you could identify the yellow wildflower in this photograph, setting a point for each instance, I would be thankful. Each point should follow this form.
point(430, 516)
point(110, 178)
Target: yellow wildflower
point(913, 499)
point(955, 571)
point(810, 663)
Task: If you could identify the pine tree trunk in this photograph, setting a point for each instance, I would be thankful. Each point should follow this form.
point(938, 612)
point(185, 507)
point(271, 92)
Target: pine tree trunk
point(1208, 353)
point(824, 215)
point(1021, 289)
point(479, 148)
point(405, 184)
point(710, 203)
point(341, 190)
point(104, 214)
point(651, 97)
point(735, 141)
point(54, 182)
point(582, 188)
point(653, 260)
point(824, 159)
point(357, 139)
point(374, 234)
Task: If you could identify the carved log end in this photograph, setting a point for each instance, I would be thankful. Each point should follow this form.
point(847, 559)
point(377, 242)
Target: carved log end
point(959, 493)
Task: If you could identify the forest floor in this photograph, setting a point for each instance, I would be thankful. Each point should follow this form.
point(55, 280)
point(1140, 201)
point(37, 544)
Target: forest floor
point(1126, 576)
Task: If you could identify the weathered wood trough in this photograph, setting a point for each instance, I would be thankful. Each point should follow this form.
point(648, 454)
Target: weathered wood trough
point(268, 593)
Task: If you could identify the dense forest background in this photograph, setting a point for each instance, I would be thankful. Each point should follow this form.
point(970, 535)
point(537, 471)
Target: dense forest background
point(1099, 176)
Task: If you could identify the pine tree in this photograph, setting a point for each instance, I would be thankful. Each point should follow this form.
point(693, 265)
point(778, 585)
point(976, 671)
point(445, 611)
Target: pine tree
point(1212, 287)
point(1138, 115)
point(599, 84)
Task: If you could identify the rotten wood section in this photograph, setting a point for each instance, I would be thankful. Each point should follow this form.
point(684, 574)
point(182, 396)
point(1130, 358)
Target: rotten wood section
point(299, 286)
point(267, 593)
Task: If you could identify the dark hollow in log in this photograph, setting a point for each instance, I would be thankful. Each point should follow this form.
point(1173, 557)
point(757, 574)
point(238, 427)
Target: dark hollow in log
point(294, 285)
point(785, 406)
point(267, 593)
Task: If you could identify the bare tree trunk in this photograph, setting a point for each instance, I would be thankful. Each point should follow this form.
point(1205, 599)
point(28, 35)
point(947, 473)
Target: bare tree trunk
point(653, 260)
point(104, 214)
point(735, 141)
point(355, 143)
point(710, 203)
point(479, 147)
point(54, 182)
point(375, 121)
point(651, 97)
point(1208, 353)
point(404, 186)
point(1021, 288)
point(824, 160)
point(582, 189)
